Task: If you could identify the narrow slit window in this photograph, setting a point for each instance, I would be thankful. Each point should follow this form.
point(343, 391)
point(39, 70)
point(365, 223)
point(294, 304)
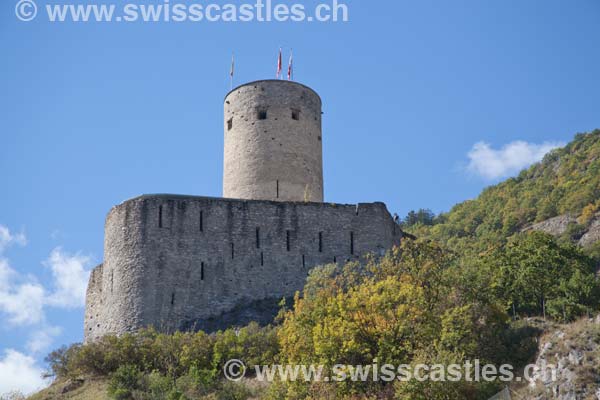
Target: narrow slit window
point(232, 251)
point(303, 261)
point(173, 298)
point(160, 216)
point(320, 242)
point(352, 243)
point(262, 259)
point(262, 114)
point(287, 240)
point(334, 259)
point(296, 115)
point(277, 189)
point(230, 124)
point(202, 271)
point(201, 221)
point(258, 238)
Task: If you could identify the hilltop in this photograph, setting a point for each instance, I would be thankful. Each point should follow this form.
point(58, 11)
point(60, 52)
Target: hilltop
point(560, 195)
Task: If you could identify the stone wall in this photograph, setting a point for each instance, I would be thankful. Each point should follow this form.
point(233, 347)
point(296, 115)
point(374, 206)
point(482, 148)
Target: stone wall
point(93, 300)
point(180, 262)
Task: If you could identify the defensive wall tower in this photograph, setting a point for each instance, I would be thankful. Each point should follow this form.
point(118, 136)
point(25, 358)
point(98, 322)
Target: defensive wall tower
point(273, 142)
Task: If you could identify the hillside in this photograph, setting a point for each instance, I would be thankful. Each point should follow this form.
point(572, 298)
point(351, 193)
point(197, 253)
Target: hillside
point(495, 265)
point(566, 184)
point(574, 349)
point(88, 389)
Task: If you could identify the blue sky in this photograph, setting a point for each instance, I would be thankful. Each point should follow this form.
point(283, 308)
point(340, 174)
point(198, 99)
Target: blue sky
point(426, 103)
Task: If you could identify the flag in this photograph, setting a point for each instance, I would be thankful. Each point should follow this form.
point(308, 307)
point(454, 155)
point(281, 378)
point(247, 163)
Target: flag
point(231, 72)
point(291, 67)
point(279, 64)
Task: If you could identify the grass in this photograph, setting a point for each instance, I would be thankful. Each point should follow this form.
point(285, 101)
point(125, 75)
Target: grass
point(92, 389)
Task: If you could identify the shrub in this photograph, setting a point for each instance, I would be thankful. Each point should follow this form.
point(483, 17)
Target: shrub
point(124, 381)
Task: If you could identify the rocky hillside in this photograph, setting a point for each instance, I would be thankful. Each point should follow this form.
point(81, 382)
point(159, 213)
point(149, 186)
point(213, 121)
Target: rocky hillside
point(575, 351)
point(568, 227)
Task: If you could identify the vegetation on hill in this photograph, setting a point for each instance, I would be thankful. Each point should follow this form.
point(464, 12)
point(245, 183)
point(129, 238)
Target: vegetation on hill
point(418, 304)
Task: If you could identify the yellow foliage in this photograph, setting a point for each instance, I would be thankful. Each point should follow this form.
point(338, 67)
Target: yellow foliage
point(589, 212)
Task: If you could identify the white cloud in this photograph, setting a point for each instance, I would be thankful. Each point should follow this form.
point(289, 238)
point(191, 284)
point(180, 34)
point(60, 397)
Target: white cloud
point(70, 278)
point(23, 303)
point(492, 164)
point(6, 274)
point(41, 339)
point(20, 372)
point(23, 300)
point(8, 239)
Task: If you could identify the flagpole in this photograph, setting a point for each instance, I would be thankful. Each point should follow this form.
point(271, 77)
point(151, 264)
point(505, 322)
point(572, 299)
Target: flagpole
point(279, 64)
point(232, 71)
point(291, 66)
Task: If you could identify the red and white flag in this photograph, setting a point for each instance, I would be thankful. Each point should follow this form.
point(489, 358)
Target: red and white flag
point(291, 67)
point(279, 64)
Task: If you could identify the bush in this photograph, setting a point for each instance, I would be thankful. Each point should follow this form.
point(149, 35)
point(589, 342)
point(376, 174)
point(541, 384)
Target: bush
point(124, 381)
point(234, 391)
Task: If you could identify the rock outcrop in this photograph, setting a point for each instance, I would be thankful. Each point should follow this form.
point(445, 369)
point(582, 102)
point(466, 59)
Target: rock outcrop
point(592, 235)
point(568, 364)
point(558, 226)
point(555, 226)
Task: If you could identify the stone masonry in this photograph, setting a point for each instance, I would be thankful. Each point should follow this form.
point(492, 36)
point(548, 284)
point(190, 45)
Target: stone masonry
point(183, 262)
point(273, 143)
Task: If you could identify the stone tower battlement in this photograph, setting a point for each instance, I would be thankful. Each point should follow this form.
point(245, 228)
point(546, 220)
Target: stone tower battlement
point(185, 262)
point(273, 142)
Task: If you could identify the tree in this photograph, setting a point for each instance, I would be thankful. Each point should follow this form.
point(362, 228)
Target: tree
point(535, 269)
point(422, 216)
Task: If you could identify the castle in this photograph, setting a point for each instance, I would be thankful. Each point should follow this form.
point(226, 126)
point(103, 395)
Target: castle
point(184, 262)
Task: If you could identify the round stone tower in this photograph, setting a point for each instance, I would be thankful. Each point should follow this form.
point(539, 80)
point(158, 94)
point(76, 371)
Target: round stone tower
point(273, 144)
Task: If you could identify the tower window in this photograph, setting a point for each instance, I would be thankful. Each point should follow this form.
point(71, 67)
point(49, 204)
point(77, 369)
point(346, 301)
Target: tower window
point(320, 242)
point(230, 124)
point(160, 216)
point(352, 243)
point(262, 114)
point(296, 115)
point(262, 258)
point(201, 221)
point(202, 271)
point(277, 189)
point(258, 238)
point(232, 251)
point(287, 240)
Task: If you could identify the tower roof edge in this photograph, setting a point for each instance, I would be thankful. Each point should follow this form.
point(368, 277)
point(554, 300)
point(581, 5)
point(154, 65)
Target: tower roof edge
point(280, 81)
